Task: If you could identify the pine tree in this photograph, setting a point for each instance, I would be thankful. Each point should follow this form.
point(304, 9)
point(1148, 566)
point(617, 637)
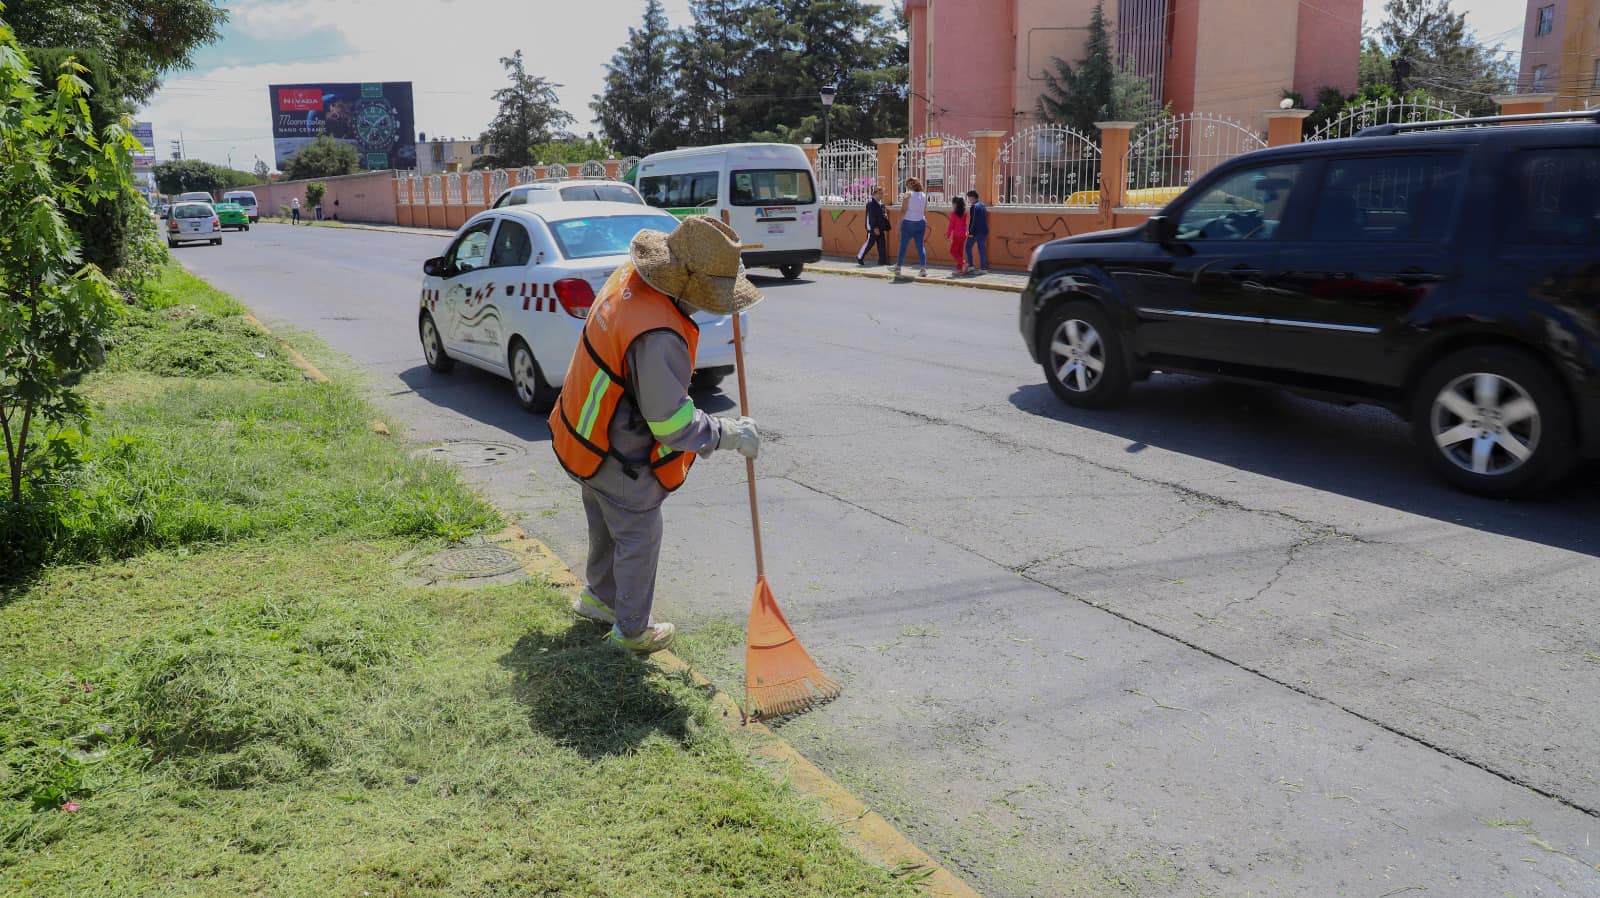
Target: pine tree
point(634, 107)
point(530, 113)
point(710, 59)
point(1079, 97)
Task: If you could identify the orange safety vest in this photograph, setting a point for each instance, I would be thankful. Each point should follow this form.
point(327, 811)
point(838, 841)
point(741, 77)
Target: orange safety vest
point(626, 309)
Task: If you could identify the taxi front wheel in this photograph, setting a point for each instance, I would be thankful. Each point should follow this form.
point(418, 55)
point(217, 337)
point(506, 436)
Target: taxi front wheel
point(533, 393)
point(433, 347)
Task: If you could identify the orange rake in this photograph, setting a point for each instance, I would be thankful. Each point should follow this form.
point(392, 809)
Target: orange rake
point(779, 676)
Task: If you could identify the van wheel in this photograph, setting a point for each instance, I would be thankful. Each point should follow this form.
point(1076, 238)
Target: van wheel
point(1493, 421)
point(708, 378)
point(433, 347)
point(1083, 360)
point(790, 272)
point(533, 393)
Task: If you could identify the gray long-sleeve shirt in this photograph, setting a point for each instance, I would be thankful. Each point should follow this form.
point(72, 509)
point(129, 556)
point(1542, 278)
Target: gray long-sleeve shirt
point(658, 378)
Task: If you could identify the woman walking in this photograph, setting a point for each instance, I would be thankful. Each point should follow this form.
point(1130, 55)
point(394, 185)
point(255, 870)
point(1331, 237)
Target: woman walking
point(913, 226)
point(957, 233)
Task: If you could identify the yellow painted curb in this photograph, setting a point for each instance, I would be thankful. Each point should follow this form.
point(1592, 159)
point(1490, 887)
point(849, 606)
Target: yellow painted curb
point(873, 837)
point(309, 370)
point(948, 282)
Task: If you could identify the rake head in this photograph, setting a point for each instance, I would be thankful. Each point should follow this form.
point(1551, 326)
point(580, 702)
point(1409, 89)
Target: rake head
point(780, 678)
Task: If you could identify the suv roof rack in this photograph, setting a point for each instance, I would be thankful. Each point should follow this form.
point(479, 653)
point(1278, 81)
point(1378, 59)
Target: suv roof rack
point(1388, 130)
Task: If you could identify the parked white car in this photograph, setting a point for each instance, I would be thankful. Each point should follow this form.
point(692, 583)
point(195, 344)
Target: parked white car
point(193, 223)
point(512, 292)
point(568, 191)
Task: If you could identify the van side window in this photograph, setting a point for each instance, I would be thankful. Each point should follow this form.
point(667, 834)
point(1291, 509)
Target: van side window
point(1387, 198)
point(753, 188)
point(1553, 197)
point(686, 191)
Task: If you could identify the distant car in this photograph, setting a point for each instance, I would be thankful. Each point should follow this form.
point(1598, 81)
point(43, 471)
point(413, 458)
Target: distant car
point(193, 223)
point(558, 191)
point(512, 292)
point(195, 196)
point(1438, 269)
point(164, 210)
point(247, 201)
point(232, 215)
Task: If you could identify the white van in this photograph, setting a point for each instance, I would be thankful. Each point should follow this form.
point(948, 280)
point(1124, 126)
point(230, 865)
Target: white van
point(196, 196)
point(247, 201)
point(765, 191)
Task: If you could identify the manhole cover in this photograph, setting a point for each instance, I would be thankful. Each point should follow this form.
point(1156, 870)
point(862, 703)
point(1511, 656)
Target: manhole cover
point(470, 453)
point(475, 561)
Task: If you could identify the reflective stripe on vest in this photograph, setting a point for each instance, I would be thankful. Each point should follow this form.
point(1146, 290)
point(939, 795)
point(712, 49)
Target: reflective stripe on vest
point(626, 309)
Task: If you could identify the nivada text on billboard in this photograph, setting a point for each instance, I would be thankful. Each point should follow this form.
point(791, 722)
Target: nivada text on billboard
point(145, 133)
point(374, 117)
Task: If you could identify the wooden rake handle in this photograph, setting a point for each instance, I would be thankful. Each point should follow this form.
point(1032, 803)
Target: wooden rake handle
point(749, 463)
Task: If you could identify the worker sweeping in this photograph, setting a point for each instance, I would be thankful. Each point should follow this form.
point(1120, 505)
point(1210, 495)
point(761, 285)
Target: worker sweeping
point(625, 427)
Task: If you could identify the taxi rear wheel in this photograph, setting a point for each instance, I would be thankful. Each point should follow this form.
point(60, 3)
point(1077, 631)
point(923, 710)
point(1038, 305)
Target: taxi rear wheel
point(790, 272)
point(533, 393)
point(433, 347)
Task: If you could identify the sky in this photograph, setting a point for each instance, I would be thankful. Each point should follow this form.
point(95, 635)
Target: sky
point(450, 50)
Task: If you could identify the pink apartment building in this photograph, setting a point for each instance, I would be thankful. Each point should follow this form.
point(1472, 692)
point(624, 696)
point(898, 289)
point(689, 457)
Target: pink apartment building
point(979, 65)
point(1561, 52)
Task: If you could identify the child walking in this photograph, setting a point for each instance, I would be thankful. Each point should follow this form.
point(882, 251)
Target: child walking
point(957, 232)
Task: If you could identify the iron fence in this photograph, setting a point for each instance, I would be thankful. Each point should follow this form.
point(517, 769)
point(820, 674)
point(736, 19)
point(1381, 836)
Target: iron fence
point(592, 169)
point(847, 170)
point(1353, 119)
point(1167, 155)
point(947, 166)
point(1046, 165)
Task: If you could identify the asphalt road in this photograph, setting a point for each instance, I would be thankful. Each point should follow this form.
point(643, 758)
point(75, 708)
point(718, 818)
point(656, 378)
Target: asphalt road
point(1220, 641)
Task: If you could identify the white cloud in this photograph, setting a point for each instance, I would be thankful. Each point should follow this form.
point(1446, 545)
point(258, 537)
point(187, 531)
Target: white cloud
point(449, 50)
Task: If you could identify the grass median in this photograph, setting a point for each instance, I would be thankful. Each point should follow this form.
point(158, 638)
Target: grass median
point(218, 677)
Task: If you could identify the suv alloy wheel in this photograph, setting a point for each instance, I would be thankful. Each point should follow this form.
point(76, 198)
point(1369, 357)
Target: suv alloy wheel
point(1492, 420)
point(1083, 359)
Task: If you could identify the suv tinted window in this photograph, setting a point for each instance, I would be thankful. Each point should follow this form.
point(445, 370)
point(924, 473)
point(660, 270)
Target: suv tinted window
point(1387, 198)
point(511, 245)
point(1554, 197)
point(1246, 205)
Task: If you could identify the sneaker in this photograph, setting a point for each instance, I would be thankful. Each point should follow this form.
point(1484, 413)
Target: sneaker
point(653, 638)
point(977, 271)
point(586, 605)
point(922, 273)
point(897, 271)
point(861, 263)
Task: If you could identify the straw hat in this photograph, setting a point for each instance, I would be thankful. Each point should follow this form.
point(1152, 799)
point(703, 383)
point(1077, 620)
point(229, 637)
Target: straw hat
point(698, 263)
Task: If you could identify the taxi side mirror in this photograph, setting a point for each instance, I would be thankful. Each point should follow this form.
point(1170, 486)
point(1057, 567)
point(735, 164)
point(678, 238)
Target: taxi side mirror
point(434, 267)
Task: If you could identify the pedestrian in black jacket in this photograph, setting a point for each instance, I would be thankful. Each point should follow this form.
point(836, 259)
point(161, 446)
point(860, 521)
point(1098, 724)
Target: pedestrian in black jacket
point(877, 229)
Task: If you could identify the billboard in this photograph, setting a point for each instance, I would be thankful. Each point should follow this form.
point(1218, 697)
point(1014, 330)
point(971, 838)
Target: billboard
point(374, 117)
point(146, 135)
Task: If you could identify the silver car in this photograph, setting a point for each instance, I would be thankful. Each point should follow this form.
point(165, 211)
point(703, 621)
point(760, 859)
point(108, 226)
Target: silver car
point(556, 190)
point(193, 223)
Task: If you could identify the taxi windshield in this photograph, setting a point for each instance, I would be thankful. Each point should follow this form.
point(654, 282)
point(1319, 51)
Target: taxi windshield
point(609, 235)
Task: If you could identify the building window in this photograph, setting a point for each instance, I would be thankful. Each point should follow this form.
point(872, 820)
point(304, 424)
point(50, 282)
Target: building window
point(1596, 83)
point(1539, 71)
point(1547, 19)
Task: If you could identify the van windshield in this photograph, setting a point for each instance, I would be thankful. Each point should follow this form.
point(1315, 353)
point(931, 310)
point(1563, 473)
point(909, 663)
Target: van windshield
point(243, 200)
point(766, 186)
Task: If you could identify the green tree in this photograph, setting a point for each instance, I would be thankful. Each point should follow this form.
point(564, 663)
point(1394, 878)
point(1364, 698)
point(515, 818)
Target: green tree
point(54, 309)
point(1428, 45)
point(141, 41)
point(634, 106)
point(530, 113)
point(709, 59)
point(315, 191)
point(261, 172)
point(325, 157)
point(183, 175)
point(572, 152)
point(1096, 90)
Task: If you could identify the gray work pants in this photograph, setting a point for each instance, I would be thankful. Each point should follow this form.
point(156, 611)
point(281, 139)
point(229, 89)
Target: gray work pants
point(624, 547)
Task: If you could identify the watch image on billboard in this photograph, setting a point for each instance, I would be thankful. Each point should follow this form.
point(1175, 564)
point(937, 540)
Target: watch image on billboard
point(374, 117)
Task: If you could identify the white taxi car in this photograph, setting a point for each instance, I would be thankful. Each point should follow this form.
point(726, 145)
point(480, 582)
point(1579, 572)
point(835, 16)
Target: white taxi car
point(567, 190)
point(512, 292)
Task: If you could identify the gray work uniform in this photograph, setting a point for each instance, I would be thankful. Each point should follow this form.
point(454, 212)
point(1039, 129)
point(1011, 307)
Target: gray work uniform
point(625, 512)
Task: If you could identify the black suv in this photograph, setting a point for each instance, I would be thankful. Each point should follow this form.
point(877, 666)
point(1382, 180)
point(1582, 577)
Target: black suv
point(1451, 274)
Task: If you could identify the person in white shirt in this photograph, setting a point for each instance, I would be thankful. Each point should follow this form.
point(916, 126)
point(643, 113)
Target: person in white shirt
point(913, 226)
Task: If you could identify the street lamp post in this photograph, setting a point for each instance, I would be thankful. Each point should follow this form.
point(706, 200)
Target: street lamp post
point(827, 107)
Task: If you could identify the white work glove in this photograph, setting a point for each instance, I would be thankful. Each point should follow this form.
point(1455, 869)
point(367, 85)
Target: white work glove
point(740, 434)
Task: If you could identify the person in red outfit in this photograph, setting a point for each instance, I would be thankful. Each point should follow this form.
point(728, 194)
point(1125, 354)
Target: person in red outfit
point(957, 232)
